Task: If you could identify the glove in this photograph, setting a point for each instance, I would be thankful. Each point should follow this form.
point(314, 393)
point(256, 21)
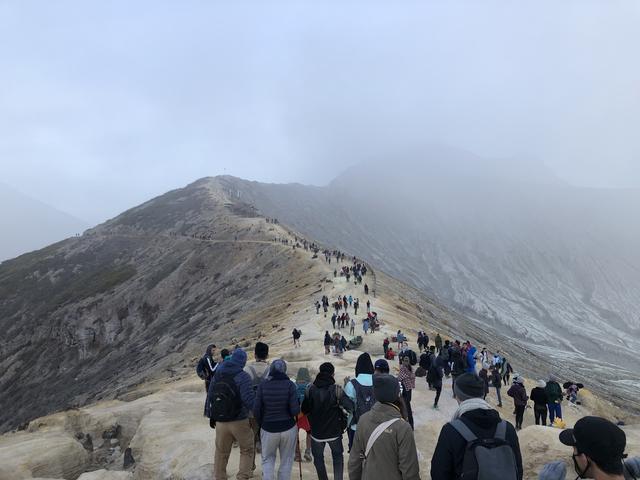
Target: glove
point(212, 423)
point(553, 471)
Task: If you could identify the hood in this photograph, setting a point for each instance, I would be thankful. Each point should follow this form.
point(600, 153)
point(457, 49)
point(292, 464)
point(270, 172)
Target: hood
point(235, 364)
point(324, 380)
point(364, 364)
point(485, 419)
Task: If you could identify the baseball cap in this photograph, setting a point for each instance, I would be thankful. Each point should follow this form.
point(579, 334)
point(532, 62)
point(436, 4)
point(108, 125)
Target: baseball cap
point(381, 364)
point(598, 438)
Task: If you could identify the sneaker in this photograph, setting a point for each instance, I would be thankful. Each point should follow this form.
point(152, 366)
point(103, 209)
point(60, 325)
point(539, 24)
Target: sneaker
point(307, 455)
point(435, 407)
point(500, 405)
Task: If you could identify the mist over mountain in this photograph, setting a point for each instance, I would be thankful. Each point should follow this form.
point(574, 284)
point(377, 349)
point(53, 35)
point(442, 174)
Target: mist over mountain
point(28, 224)
point(554, 267)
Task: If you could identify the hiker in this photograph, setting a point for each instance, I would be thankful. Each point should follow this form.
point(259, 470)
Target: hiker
point(554, 396)
point(381, 366)
point(360, 391)
point(598, 452)
point(258, 371)
point(366, 289)
point(471, 358)
point(390, 355)
point(356, 305)
point(384, 445)
point(296, 334)
point(408, 380)
point(520, 398)
point(496, 382)
point(438, 342)
point(334, 317)
point(350, 300)
point(303, 380)
point(324, 403)
point(385, 346)
point(368, 306)
point(475, 419)
point(207, 366)
point(365, 325)
point(275, 408)
point(484, 375)
point(506, 371)
point(229, 402)
point(445, 351)
point(425, 364)
point(352, 328)
point(540, 401)
point(435, 375)
point(343, 343)
point(400, 338)
point(458, 365)
point(327, 343)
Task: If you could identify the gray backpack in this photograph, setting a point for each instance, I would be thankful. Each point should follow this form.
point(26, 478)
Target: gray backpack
point(487, 459)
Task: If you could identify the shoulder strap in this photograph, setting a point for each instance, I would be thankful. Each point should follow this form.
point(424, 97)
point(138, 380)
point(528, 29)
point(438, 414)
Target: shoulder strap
point(501, 431)
point(254, 374)
point(463, 430)
point(376, 434)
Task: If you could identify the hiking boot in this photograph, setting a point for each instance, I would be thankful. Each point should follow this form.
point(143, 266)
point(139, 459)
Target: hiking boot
point(500, 405)
point(307, 455)
point(435, 407)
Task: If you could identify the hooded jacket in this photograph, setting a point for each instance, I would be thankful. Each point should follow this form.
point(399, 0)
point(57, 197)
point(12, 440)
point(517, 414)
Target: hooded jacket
point(276, 403)
point(322, 403)
point(539, 397)
point(446, 463)
point(471, 360)
point(234, 366)
point(206, 365)
point(519, 394)
point(393, 456)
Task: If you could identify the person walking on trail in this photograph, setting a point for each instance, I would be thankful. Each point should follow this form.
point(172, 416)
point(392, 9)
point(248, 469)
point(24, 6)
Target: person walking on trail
point(484, 375)
point(496, 382)
point(506, 371)
point(275, 409)
point(598, 452)
point(296, 334)
point(554, 394)
point(385, 346)
point(356, 305)
point(317, 307)
point(231, 398)
point(327, 343)
point(408, 381)
point(540, 401)
point(520, 398)
point(360, 391)
point(365, 325)
point(475, 419)
point(334, 317)
point(352, 327)
point(368, 306)
point(303, 380)
point(258, 371)
point(325, 404)
point(350, 300)
point(435, 375)
point(366, 289)
point(438, 342)
point(384, 446)
point(207, 366)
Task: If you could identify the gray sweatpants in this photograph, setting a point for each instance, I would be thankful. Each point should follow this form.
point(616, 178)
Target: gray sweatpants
point(271, 443)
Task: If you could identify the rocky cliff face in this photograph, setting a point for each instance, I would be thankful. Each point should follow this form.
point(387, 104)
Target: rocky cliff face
point(89, 317)
point(554, 268)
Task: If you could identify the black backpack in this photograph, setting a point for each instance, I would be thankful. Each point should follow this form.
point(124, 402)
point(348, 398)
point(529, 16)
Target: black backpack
point(364, 400)
point(225, 401)
point(425, 361)
point(487, 459)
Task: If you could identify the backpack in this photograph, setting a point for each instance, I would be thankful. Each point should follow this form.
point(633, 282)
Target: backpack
point(445, 354)
point(225, 401)
point(364, 400)
point(487, 459)
point(257, 379)
point(425, 361)
point(433, 373)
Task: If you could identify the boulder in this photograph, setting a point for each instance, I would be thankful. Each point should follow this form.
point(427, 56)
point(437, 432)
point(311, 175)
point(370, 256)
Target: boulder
point(106, 475)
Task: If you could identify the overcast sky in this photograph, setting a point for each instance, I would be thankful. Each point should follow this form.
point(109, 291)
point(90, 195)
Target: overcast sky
point(105, 104)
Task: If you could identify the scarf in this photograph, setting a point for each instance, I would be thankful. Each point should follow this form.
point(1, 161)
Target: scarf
point(471, 404)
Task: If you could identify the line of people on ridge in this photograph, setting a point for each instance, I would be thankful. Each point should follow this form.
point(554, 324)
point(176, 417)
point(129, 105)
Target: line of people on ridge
point(258, 406)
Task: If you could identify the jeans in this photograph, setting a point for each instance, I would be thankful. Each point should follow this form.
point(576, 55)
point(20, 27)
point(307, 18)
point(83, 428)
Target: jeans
point(226, 433)
point(555, 410)
point(317, 449)
point(499, 397)
point(272, 442)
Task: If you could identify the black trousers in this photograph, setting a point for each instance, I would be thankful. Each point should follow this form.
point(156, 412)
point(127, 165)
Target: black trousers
point(540, 414)
point(406, 396)
point(519, 415)
point(438, 391)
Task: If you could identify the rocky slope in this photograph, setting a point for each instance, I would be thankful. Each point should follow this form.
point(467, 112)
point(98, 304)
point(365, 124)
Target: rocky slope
point(554, 268)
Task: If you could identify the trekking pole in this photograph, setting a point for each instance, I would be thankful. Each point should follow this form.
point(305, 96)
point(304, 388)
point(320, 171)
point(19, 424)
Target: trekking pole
point(299, 453)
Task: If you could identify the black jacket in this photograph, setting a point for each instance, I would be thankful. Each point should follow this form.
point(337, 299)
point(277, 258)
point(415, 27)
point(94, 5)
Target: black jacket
point(539, 396)
point(446, 463)
point(322, 402)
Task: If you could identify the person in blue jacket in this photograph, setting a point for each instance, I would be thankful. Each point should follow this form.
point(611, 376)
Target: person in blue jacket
point(238, 429)
point(471, 359)
point(275, 410)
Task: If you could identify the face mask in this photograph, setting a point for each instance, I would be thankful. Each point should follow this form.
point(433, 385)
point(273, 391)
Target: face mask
point(576, 467)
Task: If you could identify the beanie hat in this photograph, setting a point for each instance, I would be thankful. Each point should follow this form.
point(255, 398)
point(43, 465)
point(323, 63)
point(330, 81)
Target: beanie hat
point(468, 385)
point(364, 364)
point(261, 350)
point(278, 365)
point(303, 375)
point(542, 383)
point(327, 367)
point(385, 388)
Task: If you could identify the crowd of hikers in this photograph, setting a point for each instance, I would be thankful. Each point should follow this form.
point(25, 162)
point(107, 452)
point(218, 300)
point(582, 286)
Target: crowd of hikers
point(257, 406)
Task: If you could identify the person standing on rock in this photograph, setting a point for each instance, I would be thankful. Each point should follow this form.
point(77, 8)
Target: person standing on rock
point(384, 446)
point(554, 394)
point(258, 372)
point(229, 402)
point(408, 381)
point(275, 409)
point(474, 419)
point(540, 401)
point(360, 391)
point(520, 398)
point(324, 403)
